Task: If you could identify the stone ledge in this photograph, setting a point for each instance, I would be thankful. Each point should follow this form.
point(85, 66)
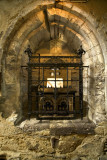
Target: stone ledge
point(81, 128)
point(64, 127)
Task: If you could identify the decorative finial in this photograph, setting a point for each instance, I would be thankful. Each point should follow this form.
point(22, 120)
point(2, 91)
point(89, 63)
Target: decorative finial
point(28, 51)
point(81, 51)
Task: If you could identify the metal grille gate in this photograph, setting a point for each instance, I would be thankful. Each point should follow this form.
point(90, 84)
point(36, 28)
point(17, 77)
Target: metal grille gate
point(55, 102)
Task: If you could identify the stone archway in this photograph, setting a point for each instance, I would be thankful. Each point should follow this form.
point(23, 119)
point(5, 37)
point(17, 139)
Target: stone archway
point(73, 26)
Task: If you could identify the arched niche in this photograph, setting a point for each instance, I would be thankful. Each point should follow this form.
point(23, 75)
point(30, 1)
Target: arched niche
point(74, 27)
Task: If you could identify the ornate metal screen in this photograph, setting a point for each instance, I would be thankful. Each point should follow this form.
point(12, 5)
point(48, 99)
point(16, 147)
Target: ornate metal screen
point(55, 86)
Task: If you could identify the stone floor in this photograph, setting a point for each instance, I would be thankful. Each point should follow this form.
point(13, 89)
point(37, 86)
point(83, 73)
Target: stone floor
point(52, 140)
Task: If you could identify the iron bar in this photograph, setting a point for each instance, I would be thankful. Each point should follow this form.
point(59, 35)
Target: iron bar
point(55, 90)
point(55, 65)
point(43, 88)
point(29, 92)
point(56, 80)
point(55, 57)
point(54, 93)
point(55, 112)
point(67, 91)
point(60, 93)
point(74, 103)
point(56, 118)
point(37, 100)
point(81, 89)
point(58, 64)
point(39, 69)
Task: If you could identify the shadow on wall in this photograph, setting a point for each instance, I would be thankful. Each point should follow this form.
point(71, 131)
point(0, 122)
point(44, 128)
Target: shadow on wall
point(3, 157)
point(85, 108)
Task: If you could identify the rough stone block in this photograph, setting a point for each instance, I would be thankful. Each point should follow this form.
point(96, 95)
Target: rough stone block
point(104, 157)
point(85, 28)
point(99, 130)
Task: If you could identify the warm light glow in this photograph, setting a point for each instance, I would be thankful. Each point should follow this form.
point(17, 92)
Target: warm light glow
point(51, 82)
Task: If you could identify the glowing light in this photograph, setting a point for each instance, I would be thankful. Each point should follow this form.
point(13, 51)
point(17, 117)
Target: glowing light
point(51, 82)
